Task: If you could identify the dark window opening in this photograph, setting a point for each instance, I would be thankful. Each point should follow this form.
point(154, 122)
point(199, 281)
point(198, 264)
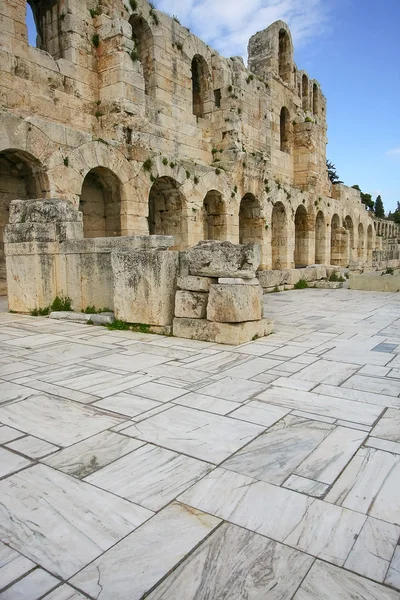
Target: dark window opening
point(217, 98)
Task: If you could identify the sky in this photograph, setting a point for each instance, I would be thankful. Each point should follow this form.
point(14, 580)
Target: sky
point(352, 47)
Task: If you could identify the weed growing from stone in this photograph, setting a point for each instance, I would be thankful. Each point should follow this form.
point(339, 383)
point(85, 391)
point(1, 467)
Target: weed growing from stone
point(301, 285)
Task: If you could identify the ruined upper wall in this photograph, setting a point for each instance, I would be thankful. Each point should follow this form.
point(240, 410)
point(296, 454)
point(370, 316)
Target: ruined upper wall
point(125, 72)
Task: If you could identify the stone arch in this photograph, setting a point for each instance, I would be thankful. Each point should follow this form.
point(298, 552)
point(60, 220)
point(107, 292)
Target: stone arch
point(200, 85)
point(214, 217)
point(320, 239)
point(336, 241)
point(22, 177)
point(285, 52)
point(144, 49)
point(370, 243)
point(305, 93)
point(361, 242)
point(100, 204)
point(348, 223)
point(284, 128)
point(301, 235)
point(279, 236)
point(251, 222)
point(315, 97)
point(166, 210)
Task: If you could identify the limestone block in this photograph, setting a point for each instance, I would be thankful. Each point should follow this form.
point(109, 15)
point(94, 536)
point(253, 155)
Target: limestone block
point(145, 285)
point(235, 303)
point(31, 280)
point(223, 259)
point(195, 284)
point(375, 282)
point(53, 210)
point(191, 304)
point(328, 285)
point(237, 281)
point(292, 276)
point(270, 279)
point(221, 333)
point(97, 319)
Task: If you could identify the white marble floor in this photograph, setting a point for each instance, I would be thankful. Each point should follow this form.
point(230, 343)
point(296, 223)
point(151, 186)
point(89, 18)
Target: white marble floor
point(136, 466)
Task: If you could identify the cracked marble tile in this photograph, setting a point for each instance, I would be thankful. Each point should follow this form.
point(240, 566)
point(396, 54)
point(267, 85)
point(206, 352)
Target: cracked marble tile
point(136, 564)
point(92, 520)
point(150, 476)
point(274, 455)
point(234, 564)
point(86, 457)
point(197, 433)
point(373, 550)
point(327, 582)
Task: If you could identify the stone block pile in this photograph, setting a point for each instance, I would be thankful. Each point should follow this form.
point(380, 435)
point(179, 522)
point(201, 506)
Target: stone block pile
point(219, 299)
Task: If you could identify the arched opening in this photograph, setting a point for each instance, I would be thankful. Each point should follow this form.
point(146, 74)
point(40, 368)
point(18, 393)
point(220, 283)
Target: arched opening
point(200, 81)
point(166, 203)
point(22, 177)
point(284, 56)
point(370, 243)
point(214, 217)
point(100, 204)
point(348, 223)
point(251, 222)
point(285, 130)
point(336, 241)
point(361, 243)
point(301, 237)
point(144, 51)
point(320, 239)
point(279, 241)
point(315, 99)
point(46, 18)
point(305, 92)
point(31, 26)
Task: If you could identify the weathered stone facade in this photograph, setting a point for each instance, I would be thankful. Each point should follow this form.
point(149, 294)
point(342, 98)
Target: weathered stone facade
point(129, 116)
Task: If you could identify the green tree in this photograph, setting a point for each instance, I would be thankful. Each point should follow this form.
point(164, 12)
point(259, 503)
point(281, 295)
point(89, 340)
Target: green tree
point(379, 208)
point(396, 215)
point(332, 174)
point(365, 198)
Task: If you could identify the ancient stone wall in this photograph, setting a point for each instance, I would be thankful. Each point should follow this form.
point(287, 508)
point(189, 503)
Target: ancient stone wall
point(129, 116)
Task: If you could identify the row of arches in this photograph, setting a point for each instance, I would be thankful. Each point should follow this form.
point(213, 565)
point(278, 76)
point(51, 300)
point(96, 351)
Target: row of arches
point(289, 238)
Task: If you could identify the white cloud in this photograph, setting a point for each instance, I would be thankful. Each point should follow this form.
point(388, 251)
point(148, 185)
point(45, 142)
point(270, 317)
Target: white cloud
point(394, 151)
point(228, 26)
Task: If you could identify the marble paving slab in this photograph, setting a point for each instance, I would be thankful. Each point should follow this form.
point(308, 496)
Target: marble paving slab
point(137, 563)
point(31, 587)
point(12, 565)
point(357, 395)
point(207, 403)
point(12, 392)
point(234, 564)
point(373, 549)
point(42, 416)
point(32, 447)
point(11, 462)
point(393, 575)
point(326, 582)
point(327, 371)
point(275, 455)
point(337, 408)
point(259, 413)
point(387, 428)
point(327, 461)
point(64, 592)
point(126, 404)
point(88, 456)
point(202, 435)
point(306, 486)
point(377, 385)
point(93, 520)
point(150, 476)
point(369, 484)
point(233, 389)
point(8, 434)
point(153, 390)
point(286, 516)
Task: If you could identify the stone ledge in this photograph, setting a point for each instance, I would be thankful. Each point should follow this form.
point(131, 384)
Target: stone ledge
point(221, 333)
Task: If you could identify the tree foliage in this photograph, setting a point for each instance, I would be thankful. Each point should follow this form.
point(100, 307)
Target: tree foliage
point(396, 215)
point(365, 198)
point(379, 208)
point(332, 174)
